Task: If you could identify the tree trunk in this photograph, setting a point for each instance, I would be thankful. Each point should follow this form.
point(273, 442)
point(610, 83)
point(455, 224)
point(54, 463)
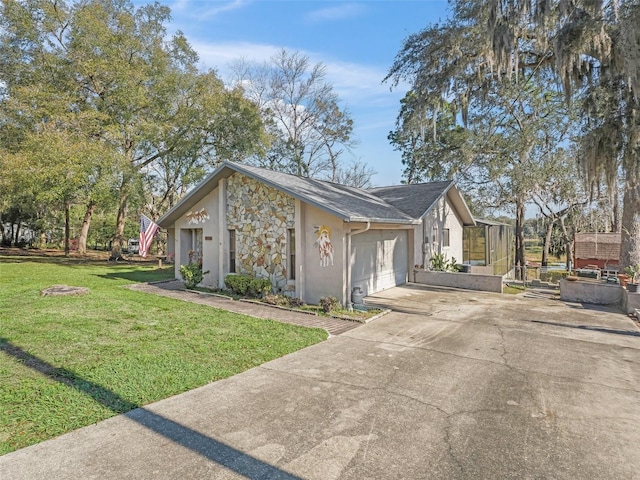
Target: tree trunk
point(568, 242)
point(118, 238)
point(67, 229)
point(615, 223)
point(521, 272)
point(630, 232)
point(84, 232)
point(547, 243)
point(15, 233)
point(411, 169)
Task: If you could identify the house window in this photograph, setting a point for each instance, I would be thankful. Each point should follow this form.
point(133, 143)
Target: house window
point(434, 235)
point(291, 247)
point(232, 251)
point(445, 237)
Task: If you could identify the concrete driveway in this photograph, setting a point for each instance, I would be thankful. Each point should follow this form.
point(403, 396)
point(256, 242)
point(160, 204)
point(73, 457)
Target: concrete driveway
point(453, 385)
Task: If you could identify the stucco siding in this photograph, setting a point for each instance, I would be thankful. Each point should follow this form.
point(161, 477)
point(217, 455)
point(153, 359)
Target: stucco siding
point(440, 218)
point(323, 256)
point(200, 223)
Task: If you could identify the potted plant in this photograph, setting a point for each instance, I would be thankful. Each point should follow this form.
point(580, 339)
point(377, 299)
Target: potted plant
point(623, 278)
point(634, 274)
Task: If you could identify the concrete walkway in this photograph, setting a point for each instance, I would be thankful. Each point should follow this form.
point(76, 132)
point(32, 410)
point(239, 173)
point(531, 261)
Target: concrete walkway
point(452, 385)
point(175, 289)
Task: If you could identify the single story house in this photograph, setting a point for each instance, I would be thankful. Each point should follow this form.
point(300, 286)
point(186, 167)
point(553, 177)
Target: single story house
point(313, 238)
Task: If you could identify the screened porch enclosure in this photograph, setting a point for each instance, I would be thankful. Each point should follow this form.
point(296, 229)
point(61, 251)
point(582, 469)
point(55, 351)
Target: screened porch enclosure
point(489, 245)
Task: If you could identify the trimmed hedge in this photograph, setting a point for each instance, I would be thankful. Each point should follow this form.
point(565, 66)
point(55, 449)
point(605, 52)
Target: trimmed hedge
point(248, 286)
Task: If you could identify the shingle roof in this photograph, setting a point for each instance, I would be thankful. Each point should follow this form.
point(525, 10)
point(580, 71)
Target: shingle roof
point(403, 204)
point(352, 204)
point(491, 223)
point(415, 199)
point(348, 203)
point(598, 237)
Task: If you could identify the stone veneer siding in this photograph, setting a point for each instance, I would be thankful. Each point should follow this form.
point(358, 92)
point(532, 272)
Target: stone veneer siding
point(260, 216)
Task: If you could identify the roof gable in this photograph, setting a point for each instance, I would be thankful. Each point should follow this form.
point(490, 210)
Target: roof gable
point(418, 199)
point(348, 203)
point(413, 199)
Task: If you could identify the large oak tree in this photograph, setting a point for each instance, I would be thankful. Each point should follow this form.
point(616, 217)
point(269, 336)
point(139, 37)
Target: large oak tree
point(592, 48)
point(500, 138)
point(149, 104)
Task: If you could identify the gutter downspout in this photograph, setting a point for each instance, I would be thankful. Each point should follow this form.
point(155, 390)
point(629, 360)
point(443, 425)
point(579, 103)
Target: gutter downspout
point(348, 283)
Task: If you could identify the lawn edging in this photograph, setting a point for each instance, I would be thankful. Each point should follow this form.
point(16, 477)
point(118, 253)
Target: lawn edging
point(280, 307)
point(339, 317)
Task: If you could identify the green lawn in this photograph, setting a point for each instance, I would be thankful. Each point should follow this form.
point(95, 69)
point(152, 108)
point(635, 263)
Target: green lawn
point(67, 362)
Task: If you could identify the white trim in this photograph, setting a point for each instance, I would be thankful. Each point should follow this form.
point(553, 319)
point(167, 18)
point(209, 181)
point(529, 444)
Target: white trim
point(222, 230)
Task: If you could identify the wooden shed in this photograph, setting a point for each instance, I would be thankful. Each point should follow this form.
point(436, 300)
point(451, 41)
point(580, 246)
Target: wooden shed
point(597, 249)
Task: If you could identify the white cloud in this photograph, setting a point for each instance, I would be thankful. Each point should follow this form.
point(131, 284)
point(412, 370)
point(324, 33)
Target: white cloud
point(220, 55)
point(340, 12)
point(359, 86)
point(192, 9)
point(374, 108)
point(358, 81)
point(354, 83)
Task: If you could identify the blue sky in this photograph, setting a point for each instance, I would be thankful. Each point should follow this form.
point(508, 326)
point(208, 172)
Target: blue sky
point(356, 41)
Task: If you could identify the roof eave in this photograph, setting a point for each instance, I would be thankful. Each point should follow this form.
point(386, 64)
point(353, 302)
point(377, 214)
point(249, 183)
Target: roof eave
point(225, 169)
point(196, 194)
point(458, 202)
point(401, 221)
point(211, 181)
point(288, 191)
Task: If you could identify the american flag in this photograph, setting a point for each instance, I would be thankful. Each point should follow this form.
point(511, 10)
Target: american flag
point(147, 230)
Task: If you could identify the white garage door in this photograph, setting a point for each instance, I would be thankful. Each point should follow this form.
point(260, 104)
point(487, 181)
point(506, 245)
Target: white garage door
point(381, 260)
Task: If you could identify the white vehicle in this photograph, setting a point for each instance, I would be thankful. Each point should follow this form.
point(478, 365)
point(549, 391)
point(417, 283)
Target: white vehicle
point(133, 245)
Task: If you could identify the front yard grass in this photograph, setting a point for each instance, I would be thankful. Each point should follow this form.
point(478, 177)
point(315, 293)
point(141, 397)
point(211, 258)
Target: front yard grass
point(68, 362)
point(513, 289)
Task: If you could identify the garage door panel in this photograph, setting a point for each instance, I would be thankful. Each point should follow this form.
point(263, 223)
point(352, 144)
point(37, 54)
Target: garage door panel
point(381, 260)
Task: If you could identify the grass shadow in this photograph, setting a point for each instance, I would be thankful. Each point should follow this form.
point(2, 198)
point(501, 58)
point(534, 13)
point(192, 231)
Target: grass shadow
point(53, 256)
point(137, 271)
point(50, 260)
point(104, 397)
point(214, 450)
point(139, 276)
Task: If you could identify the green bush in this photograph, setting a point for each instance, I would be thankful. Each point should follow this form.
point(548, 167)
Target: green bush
point(439, 263)
point(248, 286)
point(259, 287)
point(237, 283)
point(192, 274)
